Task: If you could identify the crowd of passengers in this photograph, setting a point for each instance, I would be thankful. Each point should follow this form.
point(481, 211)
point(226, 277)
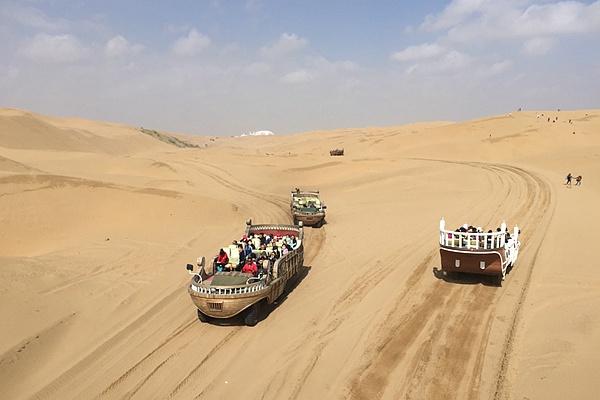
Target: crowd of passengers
point(471, 229)
point(257, 253)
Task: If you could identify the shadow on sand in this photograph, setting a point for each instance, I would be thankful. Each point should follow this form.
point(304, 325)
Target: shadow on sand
point(467, 279)
point(266, 309)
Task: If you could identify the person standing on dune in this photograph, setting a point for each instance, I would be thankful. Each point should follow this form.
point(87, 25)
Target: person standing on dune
point(568, 180)
point(578, 180)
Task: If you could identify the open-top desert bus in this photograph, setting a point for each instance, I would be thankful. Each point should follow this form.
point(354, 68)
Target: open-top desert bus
point(225, 294)
point(470, 250)
point(306, 207)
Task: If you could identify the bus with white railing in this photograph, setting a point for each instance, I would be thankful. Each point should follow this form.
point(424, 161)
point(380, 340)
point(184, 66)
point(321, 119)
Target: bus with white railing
point(226, 293)
point(471, 250)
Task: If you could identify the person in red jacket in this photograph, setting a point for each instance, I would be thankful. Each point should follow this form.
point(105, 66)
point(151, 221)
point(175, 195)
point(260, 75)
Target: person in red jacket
point(250, 267)
point(222, 260)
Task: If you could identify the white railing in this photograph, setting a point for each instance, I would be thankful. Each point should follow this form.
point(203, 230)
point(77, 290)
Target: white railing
point(468, 240)
point(201, 289)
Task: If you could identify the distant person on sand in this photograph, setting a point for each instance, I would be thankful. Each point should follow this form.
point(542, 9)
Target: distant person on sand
point(578, 180)
point(568, 180)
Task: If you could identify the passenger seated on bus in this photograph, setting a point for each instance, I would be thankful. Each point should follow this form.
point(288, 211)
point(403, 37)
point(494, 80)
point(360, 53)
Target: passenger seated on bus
point(242, 257)
point(250, 267)
point(222, 260)
point(248, 249)
point(286, 248)
point(276, 252)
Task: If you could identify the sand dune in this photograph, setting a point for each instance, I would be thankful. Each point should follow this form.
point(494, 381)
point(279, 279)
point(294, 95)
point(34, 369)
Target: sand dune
point(99, 219)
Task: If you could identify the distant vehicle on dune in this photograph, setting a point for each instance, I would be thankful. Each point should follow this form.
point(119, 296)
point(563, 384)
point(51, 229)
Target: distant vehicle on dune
point(336, 152)
point(275, 254)
point(470, 250)
point(307, 208)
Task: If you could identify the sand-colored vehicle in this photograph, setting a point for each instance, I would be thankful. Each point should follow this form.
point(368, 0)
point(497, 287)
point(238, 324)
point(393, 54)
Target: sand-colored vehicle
point(491, 253)
point(336, 152)
point(307, 207)
point(226, 294)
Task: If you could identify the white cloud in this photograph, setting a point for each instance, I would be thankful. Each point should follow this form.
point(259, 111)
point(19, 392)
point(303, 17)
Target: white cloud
point(469, 20)
point(538, 46)
point(450, 61)
point(454, 13)
point(54, 48)
point(30, 17)
point(559, 18)
point(498, 68)
point(298, 76)
point(325, 66)
point(419, 52)
point(118, 46)
point(191, 44)
point(453, 60)
point(256, 68)
point(287, 43)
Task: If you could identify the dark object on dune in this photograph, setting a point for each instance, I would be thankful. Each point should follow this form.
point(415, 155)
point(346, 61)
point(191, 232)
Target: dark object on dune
point(336, 152)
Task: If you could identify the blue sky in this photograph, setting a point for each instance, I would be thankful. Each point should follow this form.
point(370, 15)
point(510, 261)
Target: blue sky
point(227, 67)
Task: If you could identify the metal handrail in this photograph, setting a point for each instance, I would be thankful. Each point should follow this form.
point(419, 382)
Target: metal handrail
point(479, 240)
point(228, 290)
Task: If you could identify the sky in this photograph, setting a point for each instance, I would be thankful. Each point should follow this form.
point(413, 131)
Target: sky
point(218, 67)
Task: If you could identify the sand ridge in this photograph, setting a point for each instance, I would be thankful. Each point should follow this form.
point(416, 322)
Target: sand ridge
point(99, 219)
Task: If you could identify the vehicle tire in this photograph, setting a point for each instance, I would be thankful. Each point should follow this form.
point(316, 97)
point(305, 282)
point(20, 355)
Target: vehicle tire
point(202, 317)
point(251, 317)
point(499, 280)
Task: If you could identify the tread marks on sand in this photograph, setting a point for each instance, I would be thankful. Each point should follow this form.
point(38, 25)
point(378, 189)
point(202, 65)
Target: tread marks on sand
point(280, 204)
point(363, 285)
point(232, 186)
point(379, 368)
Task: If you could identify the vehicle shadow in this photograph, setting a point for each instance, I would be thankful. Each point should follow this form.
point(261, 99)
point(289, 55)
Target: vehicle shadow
point(266, 309)
point(465, 278)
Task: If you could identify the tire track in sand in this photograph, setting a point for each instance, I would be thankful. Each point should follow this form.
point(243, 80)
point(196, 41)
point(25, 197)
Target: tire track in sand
point(176, 334)
point(361, 287)
point(316, 238)
point(372, 380)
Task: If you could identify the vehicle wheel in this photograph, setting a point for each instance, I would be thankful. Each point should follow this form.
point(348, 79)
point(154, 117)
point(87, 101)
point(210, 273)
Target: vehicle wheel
point(202, 317)
point(499, 280)
point(251, 317)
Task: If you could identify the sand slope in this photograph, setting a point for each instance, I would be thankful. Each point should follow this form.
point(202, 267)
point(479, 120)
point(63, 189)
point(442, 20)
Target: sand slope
point(98, 221)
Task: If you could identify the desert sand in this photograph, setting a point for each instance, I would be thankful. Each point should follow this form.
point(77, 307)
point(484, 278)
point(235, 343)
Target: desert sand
point(98, 221)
